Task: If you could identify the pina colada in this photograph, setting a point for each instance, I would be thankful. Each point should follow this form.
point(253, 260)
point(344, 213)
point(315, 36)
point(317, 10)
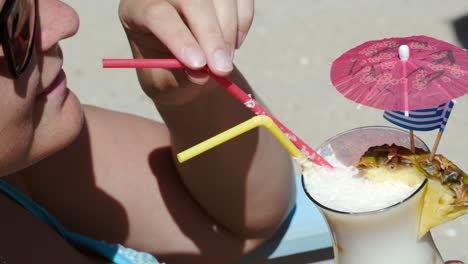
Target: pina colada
point(381, 202)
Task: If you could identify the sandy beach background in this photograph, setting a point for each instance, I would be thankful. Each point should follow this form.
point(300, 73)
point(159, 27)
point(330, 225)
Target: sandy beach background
point(286, 58)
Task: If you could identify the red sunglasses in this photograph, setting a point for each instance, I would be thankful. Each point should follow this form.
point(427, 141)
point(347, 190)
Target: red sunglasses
point(18, 20)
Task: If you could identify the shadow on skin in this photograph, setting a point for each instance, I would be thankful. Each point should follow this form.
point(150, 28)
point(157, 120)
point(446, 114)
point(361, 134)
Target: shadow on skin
point(214, 243)
point(460, 26)
point(92, 206)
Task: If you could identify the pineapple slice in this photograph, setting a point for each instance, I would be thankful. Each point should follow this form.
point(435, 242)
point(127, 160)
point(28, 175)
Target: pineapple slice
point(439, 207)
point(446, 195)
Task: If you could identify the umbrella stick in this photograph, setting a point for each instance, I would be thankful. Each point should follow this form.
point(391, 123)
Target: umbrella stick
point(411, 134)
point(436, 145)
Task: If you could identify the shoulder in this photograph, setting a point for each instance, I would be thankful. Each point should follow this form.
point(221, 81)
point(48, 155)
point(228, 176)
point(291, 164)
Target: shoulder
point(105, 126)
point(105, 117)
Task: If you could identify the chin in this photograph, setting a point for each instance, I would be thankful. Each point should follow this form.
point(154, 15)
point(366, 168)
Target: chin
point(57, 128)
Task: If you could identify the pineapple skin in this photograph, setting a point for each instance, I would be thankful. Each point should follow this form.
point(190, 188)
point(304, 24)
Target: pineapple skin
point(446, 192)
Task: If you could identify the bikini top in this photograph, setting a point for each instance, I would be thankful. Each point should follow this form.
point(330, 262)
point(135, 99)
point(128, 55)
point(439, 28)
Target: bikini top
point(116, 253)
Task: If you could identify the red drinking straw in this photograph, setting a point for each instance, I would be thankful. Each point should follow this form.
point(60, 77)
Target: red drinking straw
point(232, 88)
point(142, 63)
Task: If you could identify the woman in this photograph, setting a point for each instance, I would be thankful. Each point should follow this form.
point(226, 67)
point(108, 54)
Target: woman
point(112, 176)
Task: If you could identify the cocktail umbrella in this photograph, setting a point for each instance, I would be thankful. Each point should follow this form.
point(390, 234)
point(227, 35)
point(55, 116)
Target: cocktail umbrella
point(402, 74)
point(423, 120)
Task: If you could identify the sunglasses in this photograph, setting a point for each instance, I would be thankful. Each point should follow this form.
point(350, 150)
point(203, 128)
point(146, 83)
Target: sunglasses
point(18, 20)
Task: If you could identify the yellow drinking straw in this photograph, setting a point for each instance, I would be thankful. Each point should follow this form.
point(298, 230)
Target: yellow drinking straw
point(260, 120)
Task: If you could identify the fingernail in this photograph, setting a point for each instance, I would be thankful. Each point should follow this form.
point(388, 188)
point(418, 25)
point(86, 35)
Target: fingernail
point(194, 57)
point(222, 61)
point(240, 39)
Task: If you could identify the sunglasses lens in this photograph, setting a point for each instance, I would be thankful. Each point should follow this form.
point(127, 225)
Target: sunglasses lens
point(20, 28)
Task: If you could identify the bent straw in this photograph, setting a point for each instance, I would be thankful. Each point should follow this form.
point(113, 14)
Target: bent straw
point(260, 120)
point(232, 88)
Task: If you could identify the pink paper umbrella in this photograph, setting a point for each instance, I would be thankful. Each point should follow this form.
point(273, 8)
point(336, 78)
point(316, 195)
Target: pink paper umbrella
point(232, 88)
point(402, 74)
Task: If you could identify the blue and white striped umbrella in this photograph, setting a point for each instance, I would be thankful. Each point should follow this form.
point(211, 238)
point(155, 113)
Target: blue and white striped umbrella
point(422, 120)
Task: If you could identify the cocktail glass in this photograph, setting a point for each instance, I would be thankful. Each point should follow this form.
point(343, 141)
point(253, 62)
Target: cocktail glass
point(385, 236)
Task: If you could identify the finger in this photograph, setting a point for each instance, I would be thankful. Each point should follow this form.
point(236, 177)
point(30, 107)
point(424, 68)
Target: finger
point(245, 11)
point(203, 22)
point(197, 77)
point(166, 24)
point(226, 12)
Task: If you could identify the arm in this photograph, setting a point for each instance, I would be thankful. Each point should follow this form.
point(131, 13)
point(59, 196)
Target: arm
point(250, 175)
point(245, 184)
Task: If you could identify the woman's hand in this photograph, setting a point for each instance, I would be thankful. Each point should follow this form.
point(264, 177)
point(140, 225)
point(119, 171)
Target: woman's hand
point(197, 32)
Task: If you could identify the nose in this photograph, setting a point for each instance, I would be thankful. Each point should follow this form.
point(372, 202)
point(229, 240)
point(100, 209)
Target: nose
point(57, 21)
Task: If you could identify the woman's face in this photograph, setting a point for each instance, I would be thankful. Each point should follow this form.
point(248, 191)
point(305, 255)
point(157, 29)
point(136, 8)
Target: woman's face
point(38, 114)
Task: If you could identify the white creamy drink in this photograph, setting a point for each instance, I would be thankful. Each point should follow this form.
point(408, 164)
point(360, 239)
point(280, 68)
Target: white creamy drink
point(344, 190)
point(371, 222)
